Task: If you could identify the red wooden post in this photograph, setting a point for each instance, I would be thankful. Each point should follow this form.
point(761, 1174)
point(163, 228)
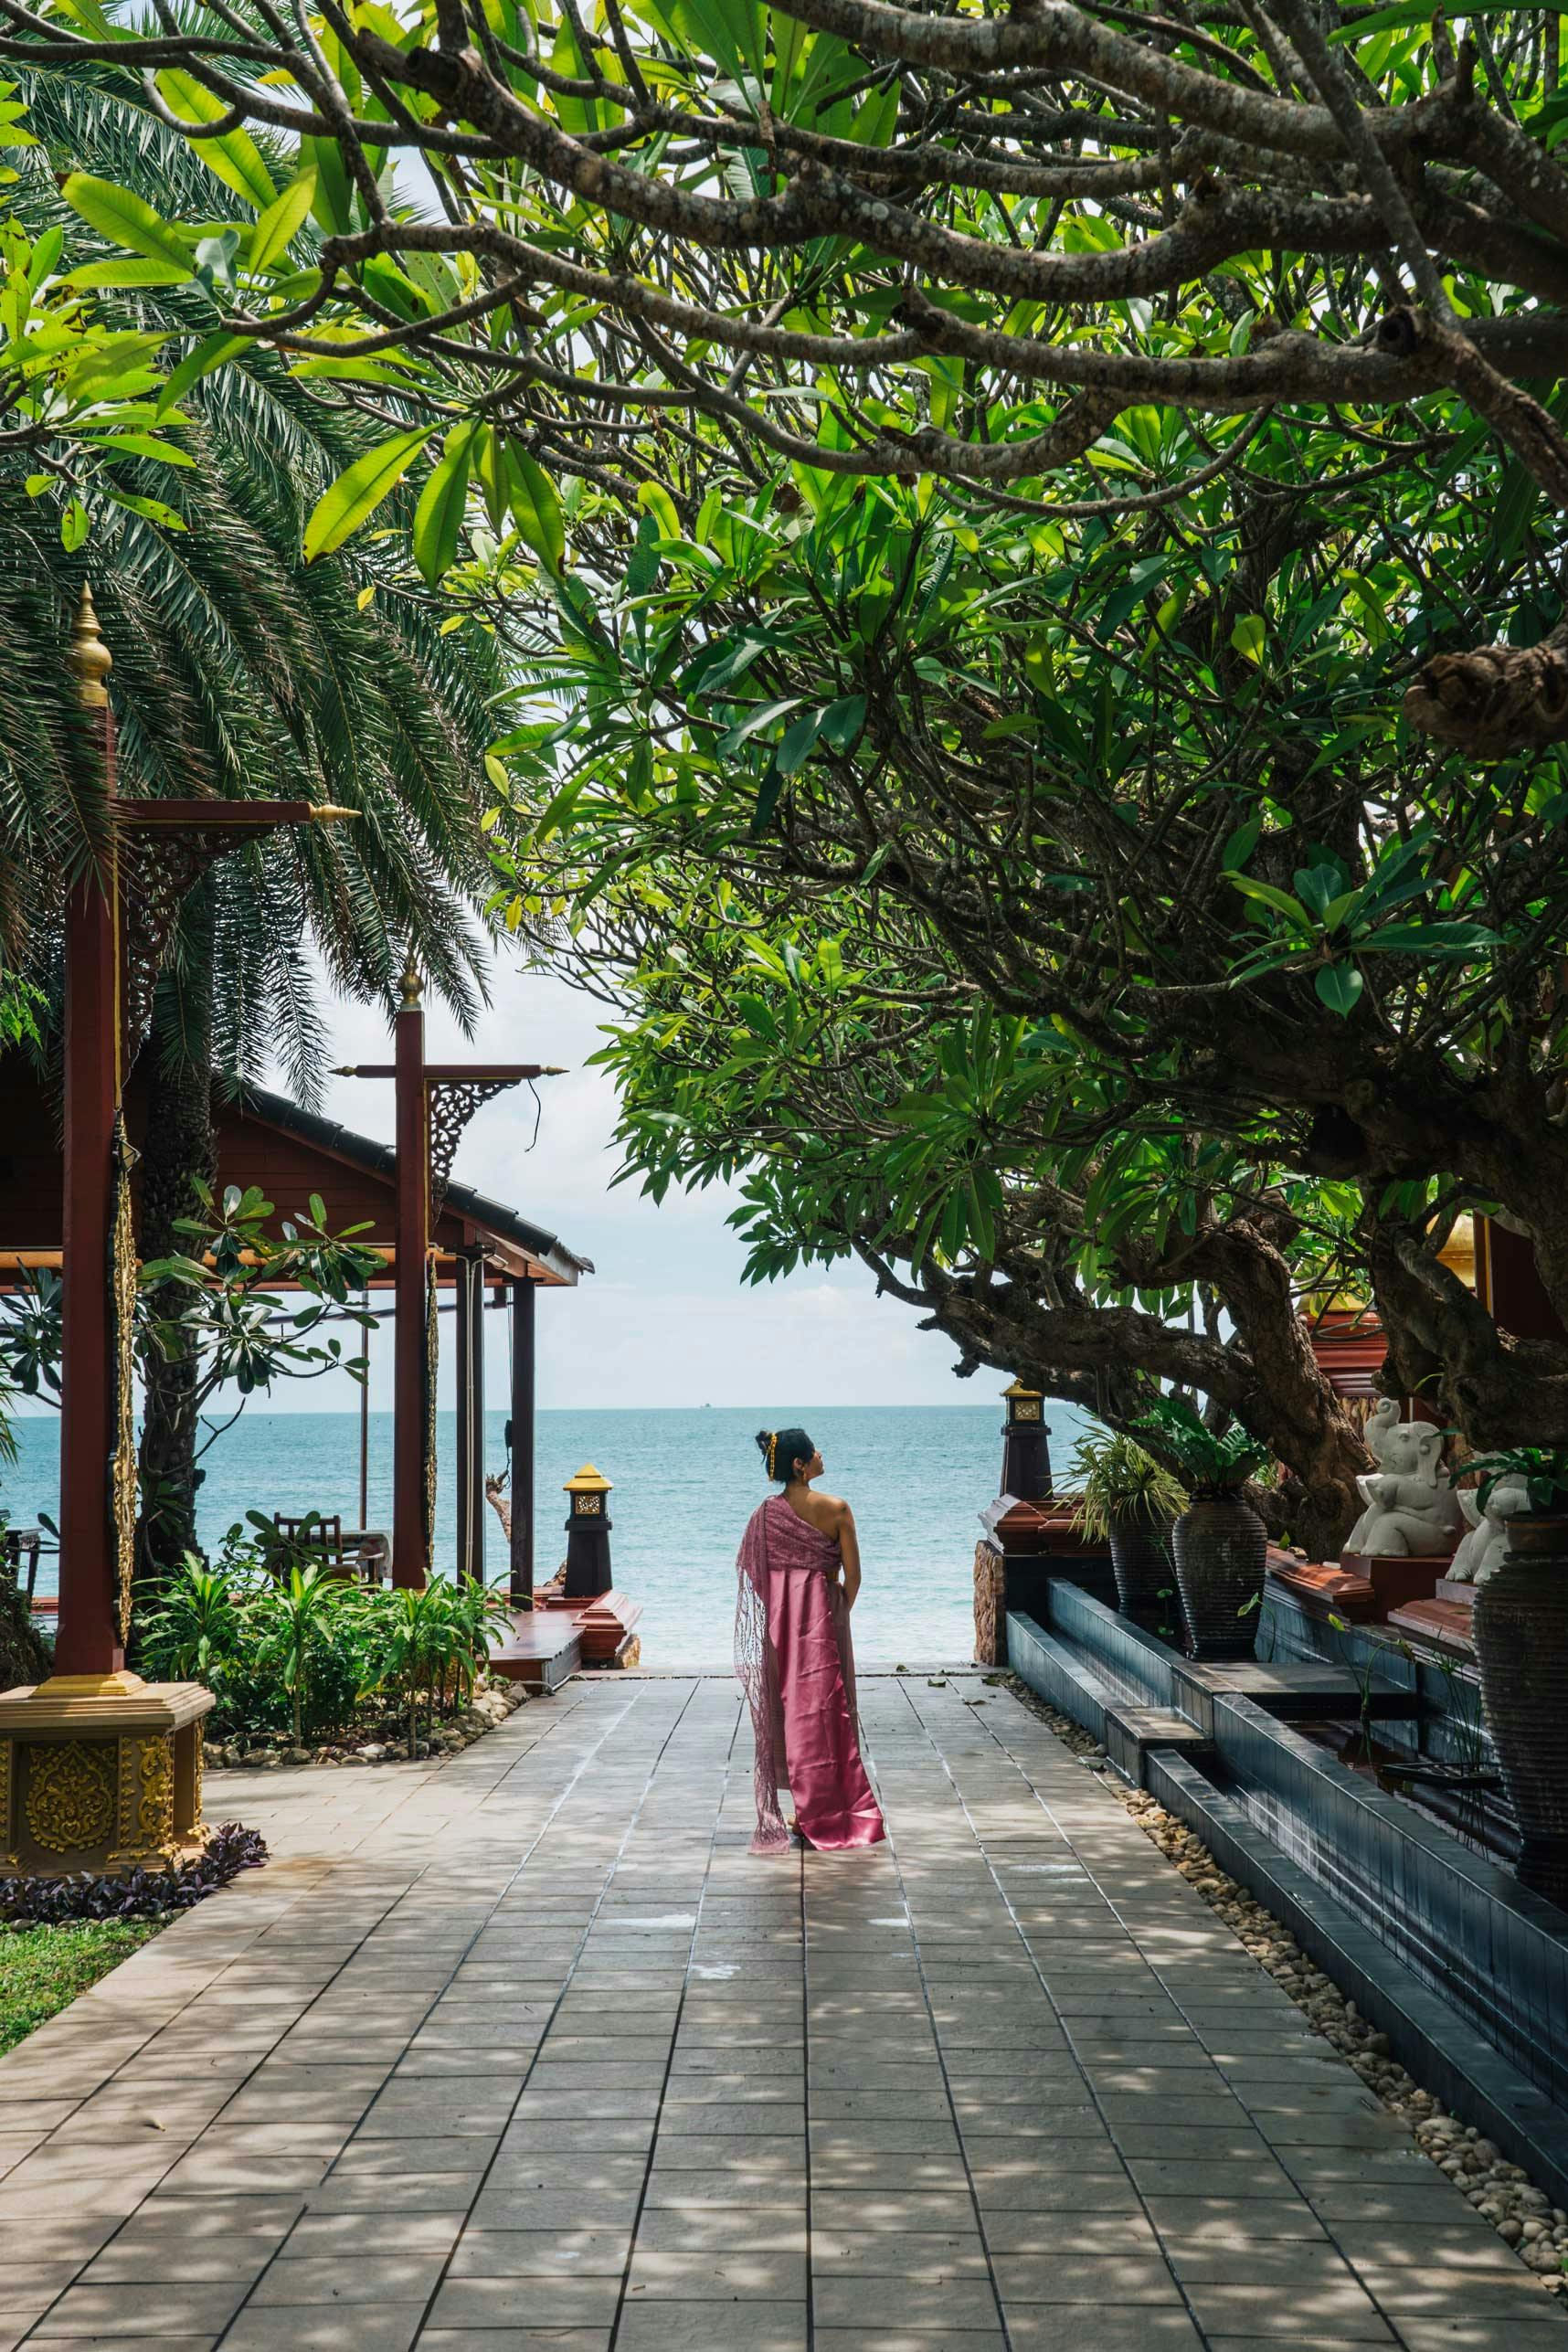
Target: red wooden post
point(522, 1438)
point(87, 1643)
point(410, 1564)
point(468, 1352)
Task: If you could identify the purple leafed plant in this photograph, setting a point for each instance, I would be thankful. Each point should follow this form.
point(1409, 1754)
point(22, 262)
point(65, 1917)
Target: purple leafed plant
point(139, 1895)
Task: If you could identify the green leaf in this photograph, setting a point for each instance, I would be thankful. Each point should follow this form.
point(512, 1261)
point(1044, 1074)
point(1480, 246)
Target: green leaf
point(535, 509)
point(1338, 986)
point(125, 219)
point(438, 518)
point(795, 747)
point(355, 496)
point(1317, 887)
point(92, 274)
point(741, 733)
point(1417, 12)
point(73, 527)
point(842, 721)
point(656, 500)
point(332, 203)
point(282, 221)
point(153, 509)
point(1240, 845)
point(1249, 636)
point(1429, 939)
point(232, 156)
point(1280, 900)
point(209, 354)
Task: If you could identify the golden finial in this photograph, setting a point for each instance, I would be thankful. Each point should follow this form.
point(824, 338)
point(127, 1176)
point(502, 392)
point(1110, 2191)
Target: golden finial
point(412, 984)
point(89, 657)
point(327, 813)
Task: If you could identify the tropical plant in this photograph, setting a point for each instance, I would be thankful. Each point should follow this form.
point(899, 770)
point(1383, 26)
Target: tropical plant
point(1116, 1481)
point(199, 1628)
point(290, 1621)
point(1541, 1470)
point(1211, 1462)
point(849, 800)
point(860, 237)
point(139, 1893)
point(239, 672)
point(433, 1642)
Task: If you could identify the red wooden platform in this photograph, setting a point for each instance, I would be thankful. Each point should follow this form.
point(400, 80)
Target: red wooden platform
point(1444, 1620)
point(540, 1651)
point(548, 1643)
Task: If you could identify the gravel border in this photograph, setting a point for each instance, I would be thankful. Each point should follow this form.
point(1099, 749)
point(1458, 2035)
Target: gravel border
point(1502, 2193)
point(492, 1703)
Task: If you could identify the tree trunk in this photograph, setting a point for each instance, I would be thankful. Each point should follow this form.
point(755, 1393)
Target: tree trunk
point(1495, 699)
point(23, 1658)
point(179, 1148)
point(1108, 1358)
point(1443, 1344)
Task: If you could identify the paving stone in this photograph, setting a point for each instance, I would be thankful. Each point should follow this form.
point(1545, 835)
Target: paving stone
point(1077, 2278)
point(663, 2326)
point(1099, 2327)
point(324, 2281)
point(530, 2044)
point(150, 2310)
point(860, 2302)
point(345, 2328)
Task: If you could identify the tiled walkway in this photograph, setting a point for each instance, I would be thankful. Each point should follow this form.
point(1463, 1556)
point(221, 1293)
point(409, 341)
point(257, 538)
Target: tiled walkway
point(526, 2053)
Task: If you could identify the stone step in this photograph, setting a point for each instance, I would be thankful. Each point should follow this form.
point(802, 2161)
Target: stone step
point(1132, 1731)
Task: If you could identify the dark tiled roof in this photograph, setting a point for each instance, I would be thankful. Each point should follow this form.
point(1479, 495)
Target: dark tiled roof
point(380, 1159)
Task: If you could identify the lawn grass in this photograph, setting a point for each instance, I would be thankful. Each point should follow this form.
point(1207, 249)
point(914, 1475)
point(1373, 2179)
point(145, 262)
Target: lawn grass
point(42, 1969)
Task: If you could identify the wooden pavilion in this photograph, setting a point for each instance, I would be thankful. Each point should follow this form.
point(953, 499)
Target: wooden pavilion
point(482, 1252)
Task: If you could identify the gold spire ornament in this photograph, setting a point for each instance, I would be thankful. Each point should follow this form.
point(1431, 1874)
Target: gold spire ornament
point(412, 985)
point(89, 657)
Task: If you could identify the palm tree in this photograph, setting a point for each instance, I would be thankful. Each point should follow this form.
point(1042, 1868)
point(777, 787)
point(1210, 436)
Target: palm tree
point(238, 672)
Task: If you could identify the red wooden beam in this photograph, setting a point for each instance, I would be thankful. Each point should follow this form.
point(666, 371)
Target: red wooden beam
point(454, 1074)
point(221, 816)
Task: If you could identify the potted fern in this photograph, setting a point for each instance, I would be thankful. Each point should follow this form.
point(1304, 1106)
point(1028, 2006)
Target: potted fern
point(1218, 1541)
point(1519, 1628)
point(1128, 1500)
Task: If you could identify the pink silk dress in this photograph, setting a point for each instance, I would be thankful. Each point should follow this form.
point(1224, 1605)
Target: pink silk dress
point(796, 1664)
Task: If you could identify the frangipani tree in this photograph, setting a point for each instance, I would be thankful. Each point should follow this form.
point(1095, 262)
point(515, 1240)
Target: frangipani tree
point(1066, 920)
point(880, 240)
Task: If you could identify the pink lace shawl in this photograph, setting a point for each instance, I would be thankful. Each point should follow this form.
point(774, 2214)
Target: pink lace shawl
point(773, 1526)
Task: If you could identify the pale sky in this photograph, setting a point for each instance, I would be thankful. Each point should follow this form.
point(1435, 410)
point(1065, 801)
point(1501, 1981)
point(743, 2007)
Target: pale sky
point(664, 1318)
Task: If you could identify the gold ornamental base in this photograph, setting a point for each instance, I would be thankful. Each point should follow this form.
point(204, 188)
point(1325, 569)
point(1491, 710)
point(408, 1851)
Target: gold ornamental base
point(99, 1772)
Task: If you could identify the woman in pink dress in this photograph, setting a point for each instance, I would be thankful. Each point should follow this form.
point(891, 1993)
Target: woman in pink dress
point(799, 1572)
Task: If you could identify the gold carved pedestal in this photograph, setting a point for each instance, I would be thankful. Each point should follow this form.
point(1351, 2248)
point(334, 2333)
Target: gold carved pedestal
point(99, 1772)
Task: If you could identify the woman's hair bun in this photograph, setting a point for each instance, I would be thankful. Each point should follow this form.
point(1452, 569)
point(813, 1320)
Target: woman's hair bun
point(780, 1450)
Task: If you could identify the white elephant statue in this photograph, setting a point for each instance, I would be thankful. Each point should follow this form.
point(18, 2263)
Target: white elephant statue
point(1482, 1550)
point(1381, 1421)
point(1411, 1509)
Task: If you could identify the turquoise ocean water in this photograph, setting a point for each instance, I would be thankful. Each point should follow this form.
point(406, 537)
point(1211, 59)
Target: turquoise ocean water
point(684, 1483)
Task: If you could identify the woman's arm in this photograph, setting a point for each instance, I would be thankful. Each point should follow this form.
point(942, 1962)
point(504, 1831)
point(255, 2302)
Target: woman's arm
point(848, 1553)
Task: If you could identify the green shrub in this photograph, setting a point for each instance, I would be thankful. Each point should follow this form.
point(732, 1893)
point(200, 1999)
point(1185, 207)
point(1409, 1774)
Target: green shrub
point(287, 1647)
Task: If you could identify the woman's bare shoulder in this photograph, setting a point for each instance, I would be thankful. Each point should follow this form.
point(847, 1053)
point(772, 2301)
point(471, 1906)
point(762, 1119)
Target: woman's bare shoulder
point(825, 1512)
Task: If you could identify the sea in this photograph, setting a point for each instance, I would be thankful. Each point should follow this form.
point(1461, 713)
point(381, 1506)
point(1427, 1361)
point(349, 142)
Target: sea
point(684, 1480)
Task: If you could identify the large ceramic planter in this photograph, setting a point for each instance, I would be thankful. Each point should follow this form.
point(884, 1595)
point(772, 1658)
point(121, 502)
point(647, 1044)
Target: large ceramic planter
point(1520, 1631)
point(1221, 1546)
point(1140, 1558)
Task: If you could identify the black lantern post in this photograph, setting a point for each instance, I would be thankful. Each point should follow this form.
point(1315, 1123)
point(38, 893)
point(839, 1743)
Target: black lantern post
point(1026, 1453)
point(587, 1535)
